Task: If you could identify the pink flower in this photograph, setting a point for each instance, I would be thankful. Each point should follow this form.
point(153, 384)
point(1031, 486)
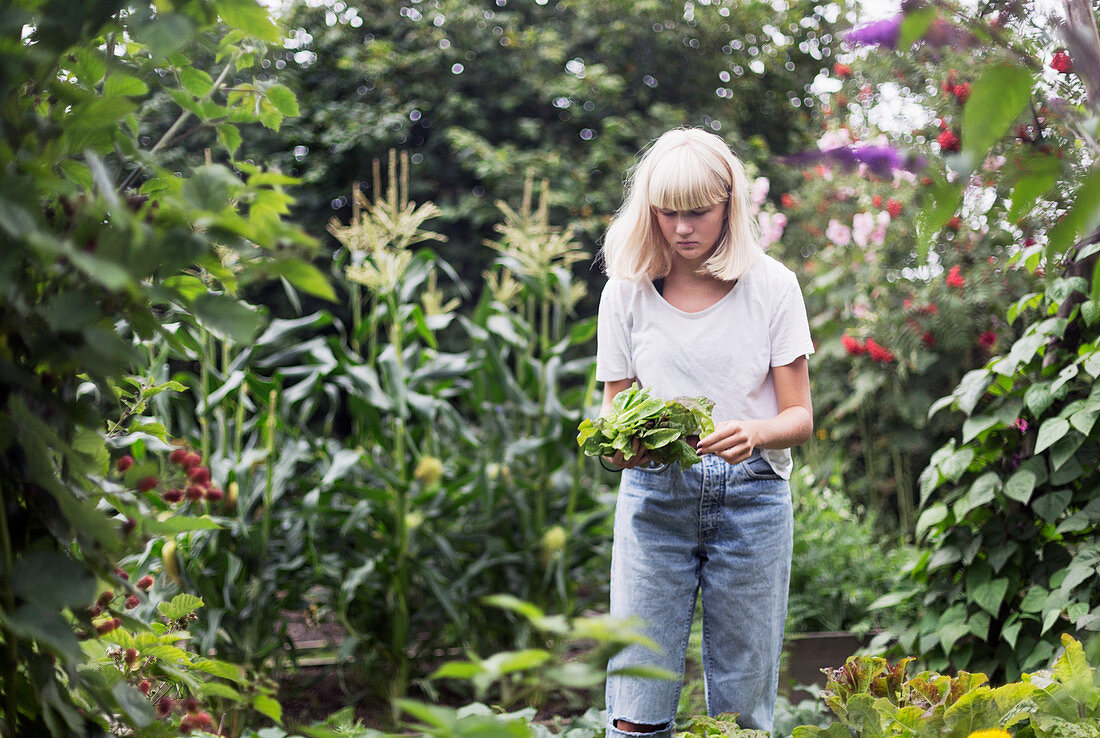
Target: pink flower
point(760, 187)
point(838, 233)
point(1021, 425)
point(862, 225)
point(987, 339)
point(771, 227)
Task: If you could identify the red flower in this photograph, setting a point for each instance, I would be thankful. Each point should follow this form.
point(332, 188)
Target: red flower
point(132, 601)
point(852, 345)
point(955, 278)
point(786, 200)
point(178, 456)
point(173, 495)
point(145, 583)
point(146, 483)
point(987, 339)
point(930, 309)
point(842, 70)
point(907, 303)
point(1061, 62)
point(893, 207)
point(961, 92)
point(124, 463)
point(928, 338)
point(878, 352)
point(948, 141)
point(954, 223)
point(877, 201)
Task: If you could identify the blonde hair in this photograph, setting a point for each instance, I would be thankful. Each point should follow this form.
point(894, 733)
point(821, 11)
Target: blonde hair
point(684, 169)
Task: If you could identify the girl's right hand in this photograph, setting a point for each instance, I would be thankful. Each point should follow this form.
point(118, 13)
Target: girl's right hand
point(640, 457)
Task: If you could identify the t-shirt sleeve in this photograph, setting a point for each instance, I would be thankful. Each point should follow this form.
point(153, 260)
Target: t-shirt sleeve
point(613, 360)
point(790, 329)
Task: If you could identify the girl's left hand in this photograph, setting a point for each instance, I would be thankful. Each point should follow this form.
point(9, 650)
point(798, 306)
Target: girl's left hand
point(732, 440)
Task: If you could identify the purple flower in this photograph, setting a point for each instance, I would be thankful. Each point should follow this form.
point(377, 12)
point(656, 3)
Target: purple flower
point(887, 31)
point(881, 160)
point(883, 32)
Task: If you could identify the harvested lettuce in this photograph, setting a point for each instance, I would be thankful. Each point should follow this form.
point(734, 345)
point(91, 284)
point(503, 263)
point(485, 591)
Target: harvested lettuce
point(666, 429)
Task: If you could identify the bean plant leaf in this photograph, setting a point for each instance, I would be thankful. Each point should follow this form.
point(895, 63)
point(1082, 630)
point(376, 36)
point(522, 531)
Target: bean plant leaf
point(1050, 431)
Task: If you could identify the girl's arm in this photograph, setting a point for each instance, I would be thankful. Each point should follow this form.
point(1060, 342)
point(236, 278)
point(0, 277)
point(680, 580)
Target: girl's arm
point(735, 440)
point(610, 389)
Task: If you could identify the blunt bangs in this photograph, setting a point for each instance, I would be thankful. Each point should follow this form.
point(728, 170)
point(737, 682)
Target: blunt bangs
point(681, 179)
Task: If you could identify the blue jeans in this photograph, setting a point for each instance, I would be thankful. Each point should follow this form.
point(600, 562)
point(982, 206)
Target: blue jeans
point(720, 528)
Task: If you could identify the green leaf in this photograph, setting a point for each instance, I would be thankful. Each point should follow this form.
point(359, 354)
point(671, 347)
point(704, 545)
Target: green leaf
point(123, 85)
point(931, 517)
point(1038, 176)
point(915, 24)
point(136, 705)
point(1020, 485)
point(180, 606)
point(178, 524)
point(1038, 398)
point(942, 200)
point(250, 17)
point(982, 491)
point(195, 81)
point(1049, 432)
point(1051, 505)
point(269, 707)
point(956, 464)
point(209, 187)
point(1082, 217)
point(222, 669)
point(996, 100)
point(229, 137)
point(47, 627)
point(165, 33)
point(458, 670)
point(52, 580)
point(217, 689)
point(1074, 672)
point(230, 318)
point(283, 100)
point(304, 276)
point(990, 595)
point(975, 424)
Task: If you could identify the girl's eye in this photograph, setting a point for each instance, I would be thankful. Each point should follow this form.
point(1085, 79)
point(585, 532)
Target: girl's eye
point(700, 212)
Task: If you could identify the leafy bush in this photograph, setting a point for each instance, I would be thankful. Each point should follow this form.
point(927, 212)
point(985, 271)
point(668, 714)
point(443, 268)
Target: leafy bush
point(842, 563)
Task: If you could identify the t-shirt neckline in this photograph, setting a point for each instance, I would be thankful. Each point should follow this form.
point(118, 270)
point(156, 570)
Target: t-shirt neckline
point(687, 313)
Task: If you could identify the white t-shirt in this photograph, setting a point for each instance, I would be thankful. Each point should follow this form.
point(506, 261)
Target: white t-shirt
point(724, 352)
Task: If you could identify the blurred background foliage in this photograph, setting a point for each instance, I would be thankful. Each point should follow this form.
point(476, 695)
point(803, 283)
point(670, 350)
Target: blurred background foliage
point(343, 254)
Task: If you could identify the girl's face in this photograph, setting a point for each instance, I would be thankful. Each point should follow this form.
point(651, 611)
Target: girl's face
point(692, 234)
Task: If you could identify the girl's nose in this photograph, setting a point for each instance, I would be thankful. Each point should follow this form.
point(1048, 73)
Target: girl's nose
point(683, 226)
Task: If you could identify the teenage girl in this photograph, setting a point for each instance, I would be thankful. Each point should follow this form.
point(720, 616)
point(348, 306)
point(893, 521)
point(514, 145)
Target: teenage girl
point(694, 307)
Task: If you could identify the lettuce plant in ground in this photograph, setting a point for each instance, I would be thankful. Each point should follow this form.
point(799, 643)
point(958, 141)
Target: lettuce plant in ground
point(872, 697)
point(640, 423)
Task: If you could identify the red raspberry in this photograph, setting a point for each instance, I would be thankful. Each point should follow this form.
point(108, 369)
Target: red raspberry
point(146, 483)
point(215, 495)
point(105, 598)
point(145, 583)
point(190, 705)
point(144, 686)
point(195, 492)
point(1061, 62)
point(130, 656)
point(164, 706)
point(948, 141)
point(121, 574)
point(132, 601)
point(191, 459)
point(178, 456)
point(124, 463)
point(173, 495)
point(199, 474)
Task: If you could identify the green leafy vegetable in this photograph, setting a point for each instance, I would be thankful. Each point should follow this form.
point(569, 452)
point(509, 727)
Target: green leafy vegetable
point(665, 430)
